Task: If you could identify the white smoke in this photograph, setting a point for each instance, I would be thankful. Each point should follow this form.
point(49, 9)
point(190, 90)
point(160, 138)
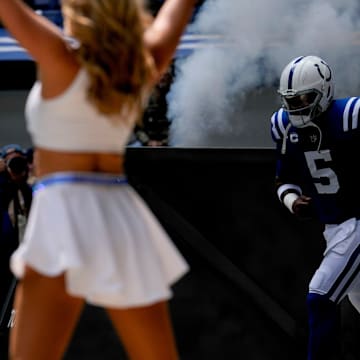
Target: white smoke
point(225, 93)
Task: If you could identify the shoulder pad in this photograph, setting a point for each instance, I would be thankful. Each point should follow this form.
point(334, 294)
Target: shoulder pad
point(349, 110)
point(279, 122)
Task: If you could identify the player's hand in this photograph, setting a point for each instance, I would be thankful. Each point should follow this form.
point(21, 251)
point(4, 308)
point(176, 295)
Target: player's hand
point(302, 206)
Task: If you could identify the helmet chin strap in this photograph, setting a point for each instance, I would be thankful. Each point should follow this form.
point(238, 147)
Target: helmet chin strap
point(309, 123)
point(283, 145)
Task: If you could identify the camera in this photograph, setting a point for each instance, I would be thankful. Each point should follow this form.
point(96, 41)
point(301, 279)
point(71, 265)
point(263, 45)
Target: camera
point(17, 165)
point(15, 160)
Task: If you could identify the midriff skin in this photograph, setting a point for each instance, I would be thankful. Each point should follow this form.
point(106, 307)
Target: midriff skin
point(47, 162)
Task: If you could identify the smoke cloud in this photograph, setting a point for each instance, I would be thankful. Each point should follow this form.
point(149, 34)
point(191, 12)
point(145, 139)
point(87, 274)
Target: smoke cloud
point(225, 92)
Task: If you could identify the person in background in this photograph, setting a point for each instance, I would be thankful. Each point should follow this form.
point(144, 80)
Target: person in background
point(317, 140)
point(90, 237)
point(15, 190)
point(15, 201)
point(154, 128)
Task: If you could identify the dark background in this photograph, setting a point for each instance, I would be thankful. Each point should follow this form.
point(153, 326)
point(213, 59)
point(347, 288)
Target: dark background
point(251, 261)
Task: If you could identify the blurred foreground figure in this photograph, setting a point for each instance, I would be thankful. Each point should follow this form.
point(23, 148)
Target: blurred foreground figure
point(318, 141)
point(90, 237)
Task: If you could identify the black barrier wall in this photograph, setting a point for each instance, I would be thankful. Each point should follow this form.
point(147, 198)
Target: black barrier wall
point(251, 261)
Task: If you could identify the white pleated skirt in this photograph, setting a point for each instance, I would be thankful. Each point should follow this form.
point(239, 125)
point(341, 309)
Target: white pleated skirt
point(98, 231)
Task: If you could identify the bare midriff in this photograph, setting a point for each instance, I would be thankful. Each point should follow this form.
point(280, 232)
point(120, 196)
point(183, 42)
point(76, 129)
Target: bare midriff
point(47, 162)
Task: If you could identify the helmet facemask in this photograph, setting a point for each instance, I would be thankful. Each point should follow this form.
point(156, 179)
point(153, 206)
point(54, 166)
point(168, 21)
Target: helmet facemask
point(302, 106)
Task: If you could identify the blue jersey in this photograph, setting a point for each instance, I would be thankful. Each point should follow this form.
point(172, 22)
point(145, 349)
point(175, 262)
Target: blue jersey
point(322, 159)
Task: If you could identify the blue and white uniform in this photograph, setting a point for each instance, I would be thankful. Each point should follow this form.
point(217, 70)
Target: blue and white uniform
point(319, 160)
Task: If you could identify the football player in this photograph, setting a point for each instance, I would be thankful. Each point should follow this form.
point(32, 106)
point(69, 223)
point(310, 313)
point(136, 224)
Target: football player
point(317, 140)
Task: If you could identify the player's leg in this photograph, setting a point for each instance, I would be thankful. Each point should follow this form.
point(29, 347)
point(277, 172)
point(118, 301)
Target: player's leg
point(354, 294)
point(146, 332)
point(324, 328)
point(45, 318)
point(333, 280)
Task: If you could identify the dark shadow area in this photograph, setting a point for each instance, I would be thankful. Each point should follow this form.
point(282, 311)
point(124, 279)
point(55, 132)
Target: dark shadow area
point(250, 260)
point(17, 75)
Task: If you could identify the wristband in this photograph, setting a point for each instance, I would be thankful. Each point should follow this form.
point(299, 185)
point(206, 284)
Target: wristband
point(287, 188)
point(289, 200)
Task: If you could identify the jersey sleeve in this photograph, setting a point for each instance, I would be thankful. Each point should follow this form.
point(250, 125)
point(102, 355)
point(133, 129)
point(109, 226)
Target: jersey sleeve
point(279, 122)
point(348, 111)
point(285, 171)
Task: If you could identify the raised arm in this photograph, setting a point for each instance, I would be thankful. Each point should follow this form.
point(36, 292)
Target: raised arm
point(164, 34)
point(41, 38)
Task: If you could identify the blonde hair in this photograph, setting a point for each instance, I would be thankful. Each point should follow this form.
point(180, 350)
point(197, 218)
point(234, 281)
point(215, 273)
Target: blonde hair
point(112, 50)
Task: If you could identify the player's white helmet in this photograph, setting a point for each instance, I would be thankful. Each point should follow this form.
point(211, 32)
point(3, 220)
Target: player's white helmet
point(306, 89)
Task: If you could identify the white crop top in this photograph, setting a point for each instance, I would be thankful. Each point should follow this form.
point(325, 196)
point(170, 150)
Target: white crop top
point(69, 122)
